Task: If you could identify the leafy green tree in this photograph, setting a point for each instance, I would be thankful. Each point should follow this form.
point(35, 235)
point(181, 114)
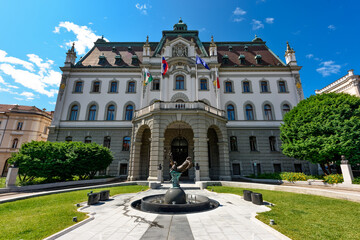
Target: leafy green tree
point(322, 128)
point(62, 160)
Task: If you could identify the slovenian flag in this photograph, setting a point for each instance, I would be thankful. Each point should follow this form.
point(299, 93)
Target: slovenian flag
point(202, 62)
point(147, 76)
point(164, 67)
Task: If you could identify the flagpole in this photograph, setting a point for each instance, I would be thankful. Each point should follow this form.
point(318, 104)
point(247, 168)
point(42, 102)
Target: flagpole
point(142, 94)
point(161, 77)
point(196, 83)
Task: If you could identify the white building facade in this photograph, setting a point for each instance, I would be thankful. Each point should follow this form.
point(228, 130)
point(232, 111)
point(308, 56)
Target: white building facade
point(350, 84)
point(229, 132)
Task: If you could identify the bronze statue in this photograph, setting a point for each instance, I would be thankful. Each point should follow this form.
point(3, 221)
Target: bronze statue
point(176, 171)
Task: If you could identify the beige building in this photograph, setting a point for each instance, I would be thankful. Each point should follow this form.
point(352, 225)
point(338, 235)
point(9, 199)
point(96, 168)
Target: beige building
point(349, 83)
point(18, 125)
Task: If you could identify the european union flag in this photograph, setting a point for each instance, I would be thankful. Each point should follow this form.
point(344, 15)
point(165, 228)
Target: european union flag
point(200, 61)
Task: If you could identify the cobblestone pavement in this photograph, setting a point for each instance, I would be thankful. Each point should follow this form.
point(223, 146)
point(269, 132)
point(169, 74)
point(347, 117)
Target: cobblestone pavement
point(233, 219)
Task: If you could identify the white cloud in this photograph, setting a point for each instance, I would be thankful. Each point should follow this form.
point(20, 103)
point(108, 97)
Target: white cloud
point(84, 35)
point(28, 95)
point(328, 68)
point(238, 19)
point(257, 24)
point(239, 11)
point(52, 103)
point(269, 20)
point(331, 27)
point(90, 23)
point(310, 55)
point(2, 80)
point(142, 8)
point(17, 61)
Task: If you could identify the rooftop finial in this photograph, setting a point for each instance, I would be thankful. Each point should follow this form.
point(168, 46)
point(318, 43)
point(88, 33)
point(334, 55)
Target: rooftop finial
point(255, 36)
point(288, 46)
point(180, 21)
point(73, 47)
point(102, 37)
point(147, 39)
point(212, 39)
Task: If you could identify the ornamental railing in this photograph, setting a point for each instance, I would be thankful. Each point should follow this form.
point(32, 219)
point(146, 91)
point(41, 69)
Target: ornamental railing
point(181, 106)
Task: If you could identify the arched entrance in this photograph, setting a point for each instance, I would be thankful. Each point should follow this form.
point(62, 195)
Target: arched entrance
point(145, 155)
point(179, 149)
point(213, 154)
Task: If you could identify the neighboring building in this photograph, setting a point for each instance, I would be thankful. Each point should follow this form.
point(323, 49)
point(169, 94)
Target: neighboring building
point(229, 132)
point(18, 125)
point(349, 83)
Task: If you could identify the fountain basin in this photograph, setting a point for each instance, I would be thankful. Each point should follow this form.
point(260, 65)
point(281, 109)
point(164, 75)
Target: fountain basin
point(156, 204)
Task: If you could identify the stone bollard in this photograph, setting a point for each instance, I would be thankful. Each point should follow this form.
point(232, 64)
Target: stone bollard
point(160, 174)
point(256, 198)
point(104, 195)
point(197, 172)
point(346, 170)
point(11, 177)
point(93, 198)
point(247, 195)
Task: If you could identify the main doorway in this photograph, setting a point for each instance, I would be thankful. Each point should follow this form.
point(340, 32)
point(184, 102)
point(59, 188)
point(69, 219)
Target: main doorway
point(179, 149)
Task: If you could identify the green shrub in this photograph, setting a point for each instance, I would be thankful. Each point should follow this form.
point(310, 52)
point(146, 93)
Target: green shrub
point(293, 176)
point(266, 176)
point(356, 180)
point(333, 178)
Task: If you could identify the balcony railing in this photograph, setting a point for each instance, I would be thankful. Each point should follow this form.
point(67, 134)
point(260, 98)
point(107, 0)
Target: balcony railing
point(179, 106)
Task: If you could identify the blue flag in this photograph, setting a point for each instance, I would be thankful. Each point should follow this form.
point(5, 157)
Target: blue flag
point(202, 62)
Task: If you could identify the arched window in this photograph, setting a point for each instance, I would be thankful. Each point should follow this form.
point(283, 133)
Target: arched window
point(126, 144)
point(74, 113)
point(231, 112)
point(110, 113)
point(15, 143)
point(68, 139)
point(268, 112)
point(78, 87)
point(131, 87)
point(113, 87)
point(203, 84)
point(179, 84)
point(285, 108)
point(228, 87)
point(249, 112)
point(87, 139)
point(129, 112)
point(92, 113)
point(233, 143)
point(107, 141)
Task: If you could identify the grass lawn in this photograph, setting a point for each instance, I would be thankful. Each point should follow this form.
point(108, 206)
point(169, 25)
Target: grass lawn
point(39, 217)
point(301, 216)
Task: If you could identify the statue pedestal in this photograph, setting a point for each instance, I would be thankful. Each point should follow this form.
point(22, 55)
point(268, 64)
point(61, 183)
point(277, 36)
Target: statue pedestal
point(175, 196)
point(197, 175)
point(11, 177)
point(160, 176)
point(347, 173)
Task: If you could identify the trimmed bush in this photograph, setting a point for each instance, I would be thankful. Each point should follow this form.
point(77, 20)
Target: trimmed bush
point(61, 160)
point(293, 176)
point(356, 180)
point(333, 178)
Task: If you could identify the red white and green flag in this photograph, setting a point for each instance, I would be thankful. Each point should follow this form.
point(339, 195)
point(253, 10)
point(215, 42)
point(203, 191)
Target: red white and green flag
point(147, 77)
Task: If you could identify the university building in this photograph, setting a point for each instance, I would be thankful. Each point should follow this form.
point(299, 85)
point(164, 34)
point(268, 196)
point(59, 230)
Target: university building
point(229, 132)
point(20, 124)
point(350, 83)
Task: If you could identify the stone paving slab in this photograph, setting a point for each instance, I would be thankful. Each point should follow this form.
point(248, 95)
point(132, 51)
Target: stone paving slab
point(233, 219)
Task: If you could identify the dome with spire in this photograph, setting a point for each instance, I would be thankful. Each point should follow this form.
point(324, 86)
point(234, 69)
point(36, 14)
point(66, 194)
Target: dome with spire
point(180, 26)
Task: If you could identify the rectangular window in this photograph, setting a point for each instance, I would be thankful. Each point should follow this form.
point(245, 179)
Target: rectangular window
point(131, 87)
point(257, 168)
point(203, 84)
point(233, 143)
point(96, 87)
point(246, 87)
point(264, 86)
point(272, 142)
point(113, 87)
point(126, 144)
point(228, 87)
point(78, 87)
point(179, 83)
point(19, 126)
point(282, 87)
point(253, 146)
point(107, 142)
point(123, 169)
point(277, 168)
point(298, 167)
point(236, 168)
point(156, 84)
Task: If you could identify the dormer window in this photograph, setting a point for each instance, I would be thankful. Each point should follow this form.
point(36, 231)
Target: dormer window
point(246, 48)
point(102, 59)
point(230, 48)
point(225, 59)
point(258, 59)
point(114, 49)
point(134, 60)
point(242, 59)
point(118, 59)
point(129, 48)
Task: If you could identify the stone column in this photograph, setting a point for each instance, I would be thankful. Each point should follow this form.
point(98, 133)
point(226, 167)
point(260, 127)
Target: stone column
point(201, 149)
point(346, 171)
point(11, 177)
point(156, 150)
point(134, 163)
point(225, 173)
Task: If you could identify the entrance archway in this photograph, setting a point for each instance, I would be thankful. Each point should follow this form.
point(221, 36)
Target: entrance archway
point(145, 155)
point(180, 149)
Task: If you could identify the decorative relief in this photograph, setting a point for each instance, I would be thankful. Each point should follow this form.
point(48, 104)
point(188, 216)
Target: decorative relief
point(179, 50)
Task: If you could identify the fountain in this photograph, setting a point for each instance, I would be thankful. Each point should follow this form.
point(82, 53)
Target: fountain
point(175, 200)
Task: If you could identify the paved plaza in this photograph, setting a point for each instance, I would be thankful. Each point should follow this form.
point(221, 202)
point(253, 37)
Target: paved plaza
point(116, 219)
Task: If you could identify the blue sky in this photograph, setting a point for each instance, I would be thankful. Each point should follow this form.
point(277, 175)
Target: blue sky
point(36, 34)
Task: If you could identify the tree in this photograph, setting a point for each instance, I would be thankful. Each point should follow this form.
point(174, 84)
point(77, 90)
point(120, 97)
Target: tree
point(322, 128)
point(60, 159)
